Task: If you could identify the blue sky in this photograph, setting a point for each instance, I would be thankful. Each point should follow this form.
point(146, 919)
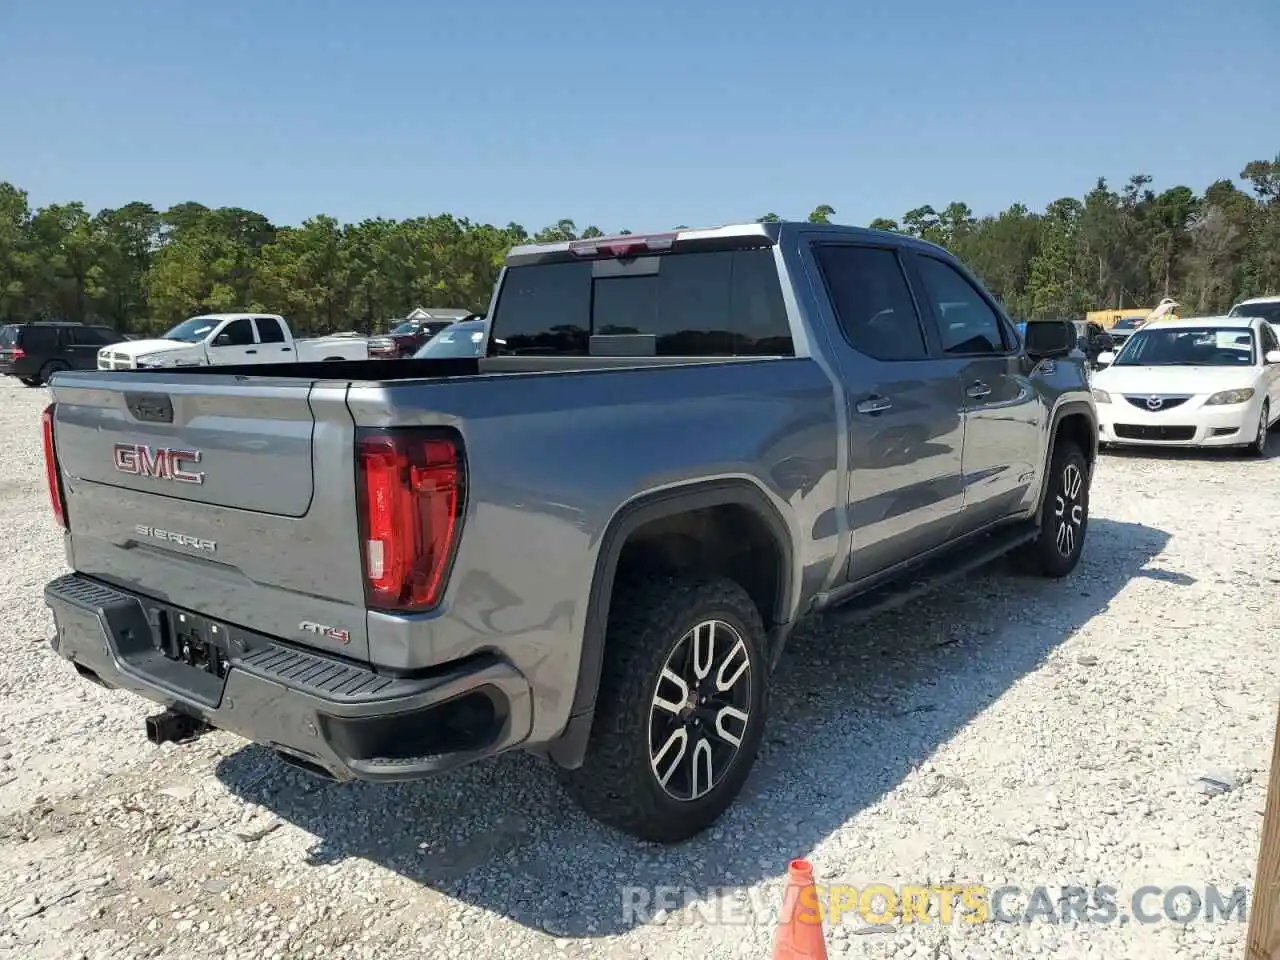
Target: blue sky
point(638, 115)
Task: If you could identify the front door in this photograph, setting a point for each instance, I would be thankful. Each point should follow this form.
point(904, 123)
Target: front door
point(1003, 414)
point(904, 424)
point(234, 343)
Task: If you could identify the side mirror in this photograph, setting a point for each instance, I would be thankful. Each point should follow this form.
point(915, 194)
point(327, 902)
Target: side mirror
point(222, 340)
point(1106, 358)
point(1050, 338)
point(1273, 356)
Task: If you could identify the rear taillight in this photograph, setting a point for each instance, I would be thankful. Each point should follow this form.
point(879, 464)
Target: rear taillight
point(51, 473)
point(410, 487)
point(16, 353)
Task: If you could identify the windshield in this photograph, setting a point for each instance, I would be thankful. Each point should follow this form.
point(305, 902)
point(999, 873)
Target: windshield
point(1267, 311)
point(459, 340)
point(1127, 324)
point(409, 326)
point(1189, 347)
point(191, 331)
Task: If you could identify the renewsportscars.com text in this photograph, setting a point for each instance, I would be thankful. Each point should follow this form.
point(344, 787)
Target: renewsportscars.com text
point(940, 903)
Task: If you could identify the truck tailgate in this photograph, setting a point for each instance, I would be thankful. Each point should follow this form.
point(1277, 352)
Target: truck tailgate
point(235, 500)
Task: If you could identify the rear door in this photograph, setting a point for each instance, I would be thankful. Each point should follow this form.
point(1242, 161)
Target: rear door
point(904, 416)
point(234, 343)
point(1002, 411)
point(273, 345)
point(234, 499)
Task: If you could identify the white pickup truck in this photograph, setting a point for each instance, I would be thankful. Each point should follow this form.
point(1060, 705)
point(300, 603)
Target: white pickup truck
point(217, 339)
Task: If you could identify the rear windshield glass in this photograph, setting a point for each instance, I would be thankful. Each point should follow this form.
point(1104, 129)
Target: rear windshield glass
point(711, 304)
point(8, 336)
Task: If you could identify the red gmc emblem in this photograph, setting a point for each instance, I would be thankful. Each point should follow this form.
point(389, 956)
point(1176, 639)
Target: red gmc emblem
point(161, 463)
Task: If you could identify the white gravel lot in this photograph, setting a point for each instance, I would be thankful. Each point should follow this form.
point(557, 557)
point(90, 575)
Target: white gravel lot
point(1009, 731)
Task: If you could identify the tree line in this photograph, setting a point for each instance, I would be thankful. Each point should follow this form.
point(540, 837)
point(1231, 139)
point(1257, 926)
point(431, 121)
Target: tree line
point(140, 269)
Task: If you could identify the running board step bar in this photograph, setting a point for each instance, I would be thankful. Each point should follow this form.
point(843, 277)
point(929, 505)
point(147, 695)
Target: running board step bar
point(933, 574)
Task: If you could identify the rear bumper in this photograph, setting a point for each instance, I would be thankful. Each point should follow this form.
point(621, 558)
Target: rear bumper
point(332, 716)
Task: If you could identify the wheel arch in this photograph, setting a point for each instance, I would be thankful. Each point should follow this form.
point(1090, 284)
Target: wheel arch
point(650, 511)
point(1076, 420)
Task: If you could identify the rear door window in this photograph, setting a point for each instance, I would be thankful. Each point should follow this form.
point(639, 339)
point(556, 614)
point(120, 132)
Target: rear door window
point(36, 339)
point(872, 302)
point(269, 330)
point(710, 303)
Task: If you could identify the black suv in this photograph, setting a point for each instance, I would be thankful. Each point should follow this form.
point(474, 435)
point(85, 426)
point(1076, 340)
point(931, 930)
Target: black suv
point(34, 352)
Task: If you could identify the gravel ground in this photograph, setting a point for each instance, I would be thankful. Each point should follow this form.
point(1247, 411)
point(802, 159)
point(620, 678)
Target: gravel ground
point(1008, 732)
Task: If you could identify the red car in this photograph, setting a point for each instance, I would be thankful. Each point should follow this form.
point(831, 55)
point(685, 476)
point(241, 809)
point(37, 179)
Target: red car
point(408, 335)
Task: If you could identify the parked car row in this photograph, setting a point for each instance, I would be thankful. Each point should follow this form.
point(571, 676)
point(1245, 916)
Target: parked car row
point(34, 352)
point(405, 338)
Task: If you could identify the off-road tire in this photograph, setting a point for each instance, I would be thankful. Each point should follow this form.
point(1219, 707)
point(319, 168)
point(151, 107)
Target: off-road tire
point(648, 617)
point(1045, 555)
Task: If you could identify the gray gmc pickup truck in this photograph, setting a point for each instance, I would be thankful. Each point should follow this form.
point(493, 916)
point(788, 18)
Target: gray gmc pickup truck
point(593, 541)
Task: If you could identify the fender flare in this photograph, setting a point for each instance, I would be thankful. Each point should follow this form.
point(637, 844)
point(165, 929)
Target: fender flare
point(700, 495)
point(1060, 413)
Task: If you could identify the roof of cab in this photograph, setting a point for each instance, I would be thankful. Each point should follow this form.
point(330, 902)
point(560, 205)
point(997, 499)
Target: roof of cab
point(773, 231)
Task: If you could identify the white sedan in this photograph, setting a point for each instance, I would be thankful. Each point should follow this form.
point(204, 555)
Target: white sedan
point(1194, 382)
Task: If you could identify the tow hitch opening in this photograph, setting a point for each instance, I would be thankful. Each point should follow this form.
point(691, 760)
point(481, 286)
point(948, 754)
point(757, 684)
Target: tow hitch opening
point(173, 726)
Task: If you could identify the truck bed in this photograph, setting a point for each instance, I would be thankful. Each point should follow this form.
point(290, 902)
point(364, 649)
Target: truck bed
point(552, 446)
point(391, 371)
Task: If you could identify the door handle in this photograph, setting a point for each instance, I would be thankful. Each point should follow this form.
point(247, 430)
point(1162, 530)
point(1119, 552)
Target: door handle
point(874, 405)
point(251, 351)
point(978, 390)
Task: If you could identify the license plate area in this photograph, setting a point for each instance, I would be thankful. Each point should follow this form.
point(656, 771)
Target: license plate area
point(194, 641)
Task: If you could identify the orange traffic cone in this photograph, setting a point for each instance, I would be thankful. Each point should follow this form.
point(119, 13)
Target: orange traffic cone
point(800, 926)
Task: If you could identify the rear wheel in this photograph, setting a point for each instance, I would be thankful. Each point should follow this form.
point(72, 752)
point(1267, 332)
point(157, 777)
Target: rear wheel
point(50, 368)
point(1258, 448)
point(680, 711)
point(1064, 518)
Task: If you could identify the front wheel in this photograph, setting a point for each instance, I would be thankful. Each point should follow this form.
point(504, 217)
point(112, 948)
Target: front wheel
point(1258, 448)
point(1064, 517)
point(680, 711)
